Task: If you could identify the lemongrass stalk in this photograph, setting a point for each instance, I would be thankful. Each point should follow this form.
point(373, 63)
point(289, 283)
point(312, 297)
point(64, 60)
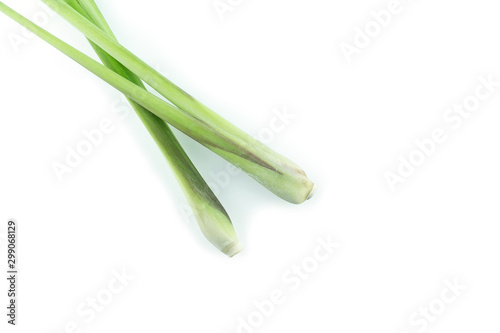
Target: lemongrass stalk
point(275, 172)
point(211, 216)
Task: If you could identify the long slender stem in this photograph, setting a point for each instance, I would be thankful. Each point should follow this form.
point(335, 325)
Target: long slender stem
point(272, 170)
point(216, 227)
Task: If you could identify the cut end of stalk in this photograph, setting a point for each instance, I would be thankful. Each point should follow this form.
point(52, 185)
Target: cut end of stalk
point(233, 249)
point(313, 191)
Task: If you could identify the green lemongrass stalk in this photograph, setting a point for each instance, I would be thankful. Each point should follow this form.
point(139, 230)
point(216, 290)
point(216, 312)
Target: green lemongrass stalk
point(275, 172)
point(211, 216)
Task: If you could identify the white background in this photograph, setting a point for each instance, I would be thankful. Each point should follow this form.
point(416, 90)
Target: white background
point(121, 208)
